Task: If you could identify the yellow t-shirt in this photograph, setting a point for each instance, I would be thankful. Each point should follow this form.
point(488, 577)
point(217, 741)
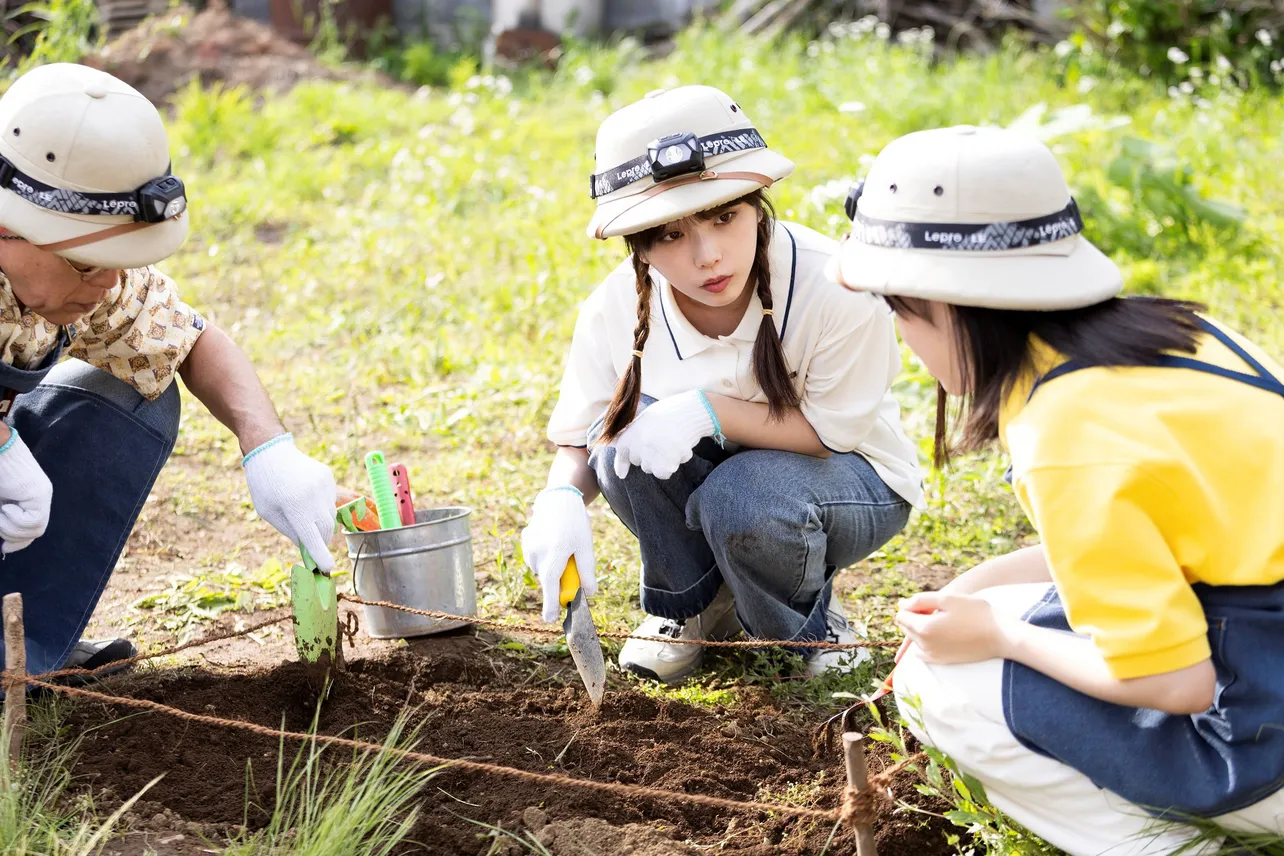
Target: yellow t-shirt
point(1142, 481)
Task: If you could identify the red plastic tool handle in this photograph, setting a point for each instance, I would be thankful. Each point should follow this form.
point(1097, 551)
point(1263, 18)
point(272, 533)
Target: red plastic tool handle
point(401, 491)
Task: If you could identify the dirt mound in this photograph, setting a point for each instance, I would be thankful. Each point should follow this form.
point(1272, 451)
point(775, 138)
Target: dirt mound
point(161, 55)
point(470, 704)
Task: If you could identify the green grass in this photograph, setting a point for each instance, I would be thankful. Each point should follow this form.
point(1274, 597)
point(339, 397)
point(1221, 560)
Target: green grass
point(404, 269)
point(326, 807)
point(40, 811)
point(192, 599)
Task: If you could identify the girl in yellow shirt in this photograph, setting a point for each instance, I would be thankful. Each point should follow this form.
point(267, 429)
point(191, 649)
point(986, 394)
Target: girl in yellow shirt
point(1131, 666)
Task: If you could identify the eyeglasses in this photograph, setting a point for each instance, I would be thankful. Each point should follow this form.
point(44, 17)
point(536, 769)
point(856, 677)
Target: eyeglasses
point(85, 272)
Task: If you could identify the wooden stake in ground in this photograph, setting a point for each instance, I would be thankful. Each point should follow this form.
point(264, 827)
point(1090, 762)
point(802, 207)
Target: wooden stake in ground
point(15, 691)
point(858, 781)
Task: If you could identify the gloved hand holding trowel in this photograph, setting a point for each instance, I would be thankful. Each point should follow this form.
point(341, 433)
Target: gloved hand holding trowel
point(558, 530)
point(558, 545)
point(296, 494)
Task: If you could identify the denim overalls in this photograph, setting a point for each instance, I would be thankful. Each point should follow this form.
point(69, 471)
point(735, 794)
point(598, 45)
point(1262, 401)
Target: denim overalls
point(1224, 759)
point(102, 445)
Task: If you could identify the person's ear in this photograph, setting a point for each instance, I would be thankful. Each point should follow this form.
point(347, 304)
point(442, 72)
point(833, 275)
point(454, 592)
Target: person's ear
point(642, 257)
point(762, 215)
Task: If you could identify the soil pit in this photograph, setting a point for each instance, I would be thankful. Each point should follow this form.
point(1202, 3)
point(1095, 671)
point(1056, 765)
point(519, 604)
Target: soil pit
point(473, 703)
point(163, 54)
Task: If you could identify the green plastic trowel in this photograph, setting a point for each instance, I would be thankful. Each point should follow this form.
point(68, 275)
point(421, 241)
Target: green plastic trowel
point(316, 608)
point(316, 621)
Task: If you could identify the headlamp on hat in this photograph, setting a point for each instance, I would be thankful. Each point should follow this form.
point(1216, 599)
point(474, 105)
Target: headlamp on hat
point(158, 200)
point(674, 155)
point(161, 199)
point(853, 196)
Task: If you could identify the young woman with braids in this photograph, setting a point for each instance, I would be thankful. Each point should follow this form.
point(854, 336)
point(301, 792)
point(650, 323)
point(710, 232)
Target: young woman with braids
point(728, 399)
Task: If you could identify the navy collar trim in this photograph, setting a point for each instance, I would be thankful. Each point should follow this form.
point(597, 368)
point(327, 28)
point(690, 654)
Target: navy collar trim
point(789, 299)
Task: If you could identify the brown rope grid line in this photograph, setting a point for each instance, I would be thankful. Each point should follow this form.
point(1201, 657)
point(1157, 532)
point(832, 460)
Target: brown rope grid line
point(857, 807)
point(194, 643)
point(551, 631)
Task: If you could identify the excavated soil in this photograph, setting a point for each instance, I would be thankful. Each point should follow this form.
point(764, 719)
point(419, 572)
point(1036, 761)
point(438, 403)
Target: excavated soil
point(471, 703)
point(163, 54)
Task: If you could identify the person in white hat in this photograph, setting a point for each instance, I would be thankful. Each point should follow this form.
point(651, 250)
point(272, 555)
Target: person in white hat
point(1130, 666)
point(88, 204)
point(730, 402)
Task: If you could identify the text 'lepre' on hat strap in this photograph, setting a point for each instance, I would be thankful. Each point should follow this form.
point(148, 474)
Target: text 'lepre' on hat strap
point(669, 157)
point(964, 237)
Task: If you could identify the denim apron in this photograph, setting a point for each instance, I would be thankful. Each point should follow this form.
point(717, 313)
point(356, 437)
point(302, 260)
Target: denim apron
point(15, 381)
point(102, 445)
point(1222, 760)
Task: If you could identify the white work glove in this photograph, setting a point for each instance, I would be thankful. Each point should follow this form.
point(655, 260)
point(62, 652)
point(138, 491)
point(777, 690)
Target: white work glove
point(664, 436)
point(25, 495)
point(558, 529)
point(294, 493)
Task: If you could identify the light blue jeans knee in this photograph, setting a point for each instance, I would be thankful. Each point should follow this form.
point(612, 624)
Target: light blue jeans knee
point(775, 526)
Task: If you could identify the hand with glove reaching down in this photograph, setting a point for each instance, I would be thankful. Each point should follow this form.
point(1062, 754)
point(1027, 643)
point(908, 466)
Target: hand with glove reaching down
point(663, 437)
point(558, 529)
point(296, 494)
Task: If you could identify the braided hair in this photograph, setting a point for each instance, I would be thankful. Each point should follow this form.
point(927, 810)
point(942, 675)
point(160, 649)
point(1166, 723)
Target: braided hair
point(769, 367)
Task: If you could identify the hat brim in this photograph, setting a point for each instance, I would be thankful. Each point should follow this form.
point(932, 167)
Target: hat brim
point(1066, 274)
point(627, 216)
point(135, 249)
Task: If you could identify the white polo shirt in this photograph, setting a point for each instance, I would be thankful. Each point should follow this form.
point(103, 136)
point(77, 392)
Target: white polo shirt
point(840, 345)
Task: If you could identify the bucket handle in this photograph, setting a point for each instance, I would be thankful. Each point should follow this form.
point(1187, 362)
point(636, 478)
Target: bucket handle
point(356, 569)
point(412, 551)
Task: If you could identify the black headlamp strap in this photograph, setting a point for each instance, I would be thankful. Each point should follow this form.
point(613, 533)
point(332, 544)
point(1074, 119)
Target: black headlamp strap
point(66, 201)
point(966, 237)
point(724, 142)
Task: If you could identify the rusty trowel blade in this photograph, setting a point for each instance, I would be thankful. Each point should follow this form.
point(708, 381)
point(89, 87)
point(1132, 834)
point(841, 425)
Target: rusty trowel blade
point(586, 648)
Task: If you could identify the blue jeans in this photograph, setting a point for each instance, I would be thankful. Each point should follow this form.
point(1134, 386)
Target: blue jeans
point(775, 526)
point(102, 445)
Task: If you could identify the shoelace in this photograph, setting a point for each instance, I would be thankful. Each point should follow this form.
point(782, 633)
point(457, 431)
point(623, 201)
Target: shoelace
point(833, 624)
point(672, 628)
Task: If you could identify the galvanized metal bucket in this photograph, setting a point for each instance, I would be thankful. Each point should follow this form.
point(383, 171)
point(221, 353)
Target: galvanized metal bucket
point(428, 565)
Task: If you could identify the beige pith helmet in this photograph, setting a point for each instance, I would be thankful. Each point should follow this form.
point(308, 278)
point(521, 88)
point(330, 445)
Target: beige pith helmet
point(974, 217)
point(76, 141)
point(701, 144)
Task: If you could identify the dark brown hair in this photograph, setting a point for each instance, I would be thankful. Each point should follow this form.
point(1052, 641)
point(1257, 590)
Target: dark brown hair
point(769, 367)
point(994, 351)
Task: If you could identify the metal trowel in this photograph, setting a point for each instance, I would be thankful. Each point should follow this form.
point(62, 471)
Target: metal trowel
point(581, 634)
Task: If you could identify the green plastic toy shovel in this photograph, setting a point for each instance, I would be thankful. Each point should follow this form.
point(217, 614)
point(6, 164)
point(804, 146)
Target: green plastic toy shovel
point(316, 607)
point(316, 621)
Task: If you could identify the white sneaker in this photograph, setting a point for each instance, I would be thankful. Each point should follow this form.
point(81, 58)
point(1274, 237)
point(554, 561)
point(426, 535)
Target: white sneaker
point(838, 630)
point(668, 663)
